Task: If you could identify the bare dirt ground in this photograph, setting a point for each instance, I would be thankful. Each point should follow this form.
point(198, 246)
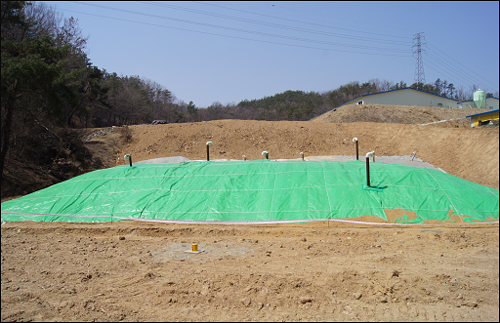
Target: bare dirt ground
point(322, 271)
point(310, 272)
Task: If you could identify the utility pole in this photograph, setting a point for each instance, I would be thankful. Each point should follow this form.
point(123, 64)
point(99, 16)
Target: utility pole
point(419, 66)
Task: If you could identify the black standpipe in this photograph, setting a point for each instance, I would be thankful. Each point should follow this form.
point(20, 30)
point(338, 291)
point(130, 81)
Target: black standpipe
point(129, 158)
point(368, 170)
point(208, 150)
point(355, 139)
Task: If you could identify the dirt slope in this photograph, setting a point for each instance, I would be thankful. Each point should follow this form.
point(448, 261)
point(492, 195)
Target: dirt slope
point(469, 153)
point(398, 114)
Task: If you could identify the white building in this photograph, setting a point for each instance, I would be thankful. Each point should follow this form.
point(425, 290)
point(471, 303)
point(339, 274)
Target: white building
point(406, 96)
point(490, 104)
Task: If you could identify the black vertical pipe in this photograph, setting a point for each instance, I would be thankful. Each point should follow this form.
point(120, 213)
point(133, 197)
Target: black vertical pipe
point(368, 171)
point(130, 160)
point(267, 156)
point(208, 154)
point(357, 151)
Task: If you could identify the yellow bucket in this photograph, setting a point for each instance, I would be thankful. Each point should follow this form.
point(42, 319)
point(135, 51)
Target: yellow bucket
point(194, 247)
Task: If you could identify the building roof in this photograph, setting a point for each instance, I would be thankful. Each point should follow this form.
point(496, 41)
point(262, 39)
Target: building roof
point(483, 113)
point(490, 97)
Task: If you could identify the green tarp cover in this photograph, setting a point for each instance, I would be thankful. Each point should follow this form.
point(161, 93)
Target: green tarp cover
point(255, 191)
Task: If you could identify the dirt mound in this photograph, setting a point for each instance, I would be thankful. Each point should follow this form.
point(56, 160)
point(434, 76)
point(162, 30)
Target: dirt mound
point(399, 114)
point(469, 153)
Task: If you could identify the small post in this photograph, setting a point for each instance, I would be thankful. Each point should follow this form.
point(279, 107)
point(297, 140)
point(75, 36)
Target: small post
point(373, 156)
point(368, 167)
point(129, 156)
point(265, 153)
point(244, 157)
point(414, 154)
point(355, 139)
point(208, 152)
point(302, 154)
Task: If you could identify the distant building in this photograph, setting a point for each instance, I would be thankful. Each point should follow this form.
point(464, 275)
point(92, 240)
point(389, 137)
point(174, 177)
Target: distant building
point(491, 104)
point(483, 118)
point(406, 96)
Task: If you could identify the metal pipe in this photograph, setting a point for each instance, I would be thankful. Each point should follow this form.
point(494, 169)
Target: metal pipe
point(301, 153)
point(208, 152)
point(129, 158)
point(355, 139)
point(368, 167)
point(244, 157)
point(414, 154)
point(265, 153)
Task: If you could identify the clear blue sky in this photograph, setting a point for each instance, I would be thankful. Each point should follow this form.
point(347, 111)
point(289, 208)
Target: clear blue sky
point(226, 52)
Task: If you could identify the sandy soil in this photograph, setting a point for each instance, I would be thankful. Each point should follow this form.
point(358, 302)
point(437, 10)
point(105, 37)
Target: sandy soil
point(469, 153)
point(309, 272)
point(323, 271)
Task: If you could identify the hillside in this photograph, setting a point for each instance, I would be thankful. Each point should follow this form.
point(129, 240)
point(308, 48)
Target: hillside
point(469, 153)
point(398, 114)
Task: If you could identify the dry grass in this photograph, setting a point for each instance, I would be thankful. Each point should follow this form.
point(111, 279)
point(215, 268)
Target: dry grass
point(398, 114)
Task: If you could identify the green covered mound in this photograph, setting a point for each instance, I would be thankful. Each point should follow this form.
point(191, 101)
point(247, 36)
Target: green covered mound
point(259, 191)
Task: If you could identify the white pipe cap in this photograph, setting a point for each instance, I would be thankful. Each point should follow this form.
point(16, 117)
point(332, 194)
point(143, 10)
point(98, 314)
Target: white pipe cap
point(265, 153)
point(210, 143)
point(355, 139)
point(370, 154)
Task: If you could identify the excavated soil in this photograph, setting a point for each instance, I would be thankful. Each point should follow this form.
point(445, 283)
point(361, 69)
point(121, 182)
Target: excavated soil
point(321, 271)
point(469, 153)
point(302, 272)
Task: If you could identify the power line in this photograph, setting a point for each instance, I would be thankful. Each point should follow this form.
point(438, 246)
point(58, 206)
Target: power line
point(258, 22)
point(248, 31)
point(443, 72)
point(299, 21)
point(229, 36)
point(458, 73)
point(447, 60)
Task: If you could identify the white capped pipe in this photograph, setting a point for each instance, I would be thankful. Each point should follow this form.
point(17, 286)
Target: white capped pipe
point(354, 139)
point(244, 157)
point(265, 153)
point(370, 154)
point(210, 143)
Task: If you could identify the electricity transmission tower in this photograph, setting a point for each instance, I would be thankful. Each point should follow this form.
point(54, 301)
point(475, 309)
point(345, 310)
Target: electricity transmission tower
point(419, 77)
